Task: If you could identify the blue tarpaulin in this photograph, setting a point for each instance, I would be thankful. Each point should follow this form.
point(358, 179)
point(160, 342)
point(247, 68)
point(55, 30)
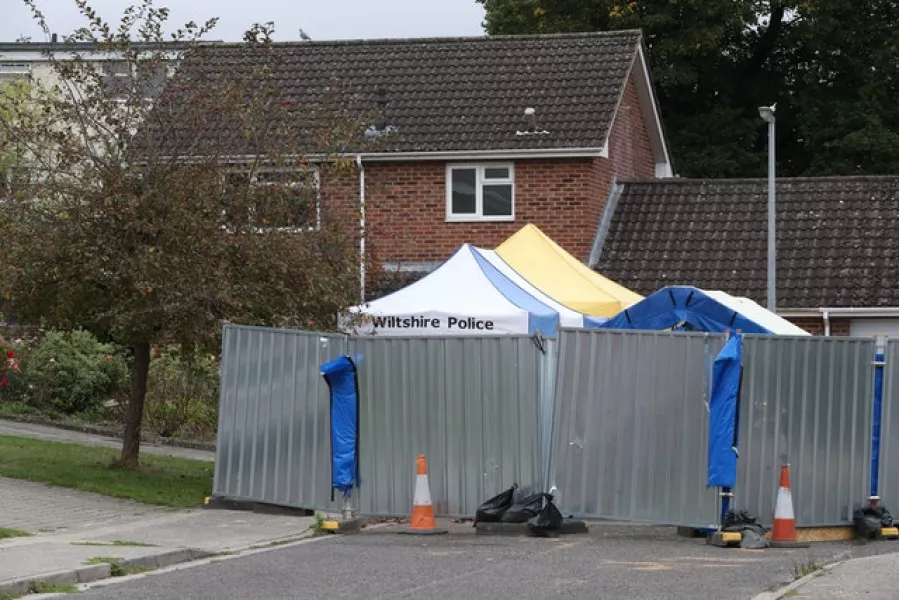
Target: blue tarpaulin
point(878, 410)
point(692, 309)
point(723, 414)
point(340, 374)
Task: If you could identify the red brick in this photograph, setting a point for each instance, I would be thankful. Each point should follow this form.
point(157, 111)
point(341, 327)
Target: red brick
point(815, 325)
point(406, 201)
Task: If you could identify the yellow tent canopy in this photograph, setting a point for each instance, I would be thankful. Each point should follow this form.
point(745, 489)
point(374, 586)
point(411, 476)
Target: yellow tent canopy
point(562, 277)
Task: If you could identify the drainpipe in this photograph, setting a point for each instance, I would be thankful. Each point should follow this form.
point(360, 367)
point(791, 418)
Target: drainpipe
point(826, 314)
point(361, 228)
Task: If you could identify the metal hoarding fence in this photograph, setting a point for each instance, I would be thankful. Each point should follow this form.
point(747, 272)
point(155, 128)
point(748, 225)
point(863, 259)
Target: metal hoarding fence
point(616, 420)
point(630, 431)
point(471, 405)
point(806, 401)
point(273, 443)
point(889, 431)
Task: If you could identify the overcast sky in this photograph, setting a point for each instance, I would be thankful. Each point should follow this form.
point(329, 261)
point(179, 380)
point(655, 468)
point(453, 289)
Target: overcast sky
point(320, 19)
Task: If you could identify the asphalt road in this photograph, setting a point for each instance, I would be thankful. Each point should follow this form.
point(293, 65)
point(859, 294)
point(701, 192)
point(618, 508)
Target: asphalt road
point(613, 561)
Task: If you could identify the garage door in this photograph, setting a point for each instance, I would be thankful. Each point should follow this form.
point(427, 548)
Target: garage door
point(874, 327)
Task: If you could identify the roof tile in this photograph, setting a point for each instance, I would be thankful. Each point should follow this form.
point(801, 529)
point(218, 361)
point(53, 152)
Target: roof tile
point(456, 94)
point(837, 239)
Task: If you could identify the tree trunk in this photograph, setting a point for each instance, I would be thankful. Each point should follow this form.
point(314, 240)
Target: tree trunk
point(135, 413)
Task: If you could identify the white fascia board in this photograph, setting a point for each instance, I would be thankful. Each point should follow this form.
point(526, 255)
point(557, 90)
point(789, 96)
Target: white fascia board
point(462, 155)
point(798, 312)
point(474, 155)
point(862, 311)
point(34, 56)
point(841, 311)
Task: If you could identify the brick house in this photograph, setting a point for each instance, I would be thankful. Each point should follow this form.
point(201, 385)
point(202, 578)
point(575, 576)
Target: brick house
point(480, 136)
point(837, 245)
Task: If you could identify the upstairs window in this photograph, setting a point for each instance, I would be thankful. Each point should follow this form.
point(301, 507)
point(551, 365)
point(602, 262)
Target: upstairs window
point(118, 79)
point(480, 192)
point(282, 200)
point(14, 72)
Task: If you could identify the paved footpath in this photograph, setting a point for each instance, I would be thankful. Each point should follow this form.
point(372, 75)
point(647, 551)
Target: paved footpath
point(56, 434)
point(71, 530)
point(871, 577)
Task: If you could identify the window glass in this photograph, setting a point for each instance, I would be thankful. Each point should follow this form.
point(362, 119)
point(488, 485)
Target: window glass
point(498, 200)
point(464, 182)
point(496, 173)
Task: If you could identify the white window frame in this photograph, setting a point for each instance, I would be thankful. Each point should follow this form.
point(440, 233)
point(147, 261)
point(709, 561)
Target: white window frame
point(480, 181)
point(12, 71)
point(128, 78)
point(316, 174)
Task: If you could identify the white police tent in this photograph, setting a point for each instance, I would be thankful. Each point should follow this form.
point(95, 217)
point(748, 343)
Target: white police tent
point(473, 293)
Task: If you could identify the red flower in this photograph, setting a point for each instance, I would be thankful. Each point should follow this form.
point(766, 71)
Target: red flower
point(10, 354)
point(3, 383)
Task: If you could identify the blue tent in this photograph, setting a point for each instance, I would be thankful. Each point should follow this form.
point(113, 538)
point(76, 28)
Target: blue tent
point(693, 309)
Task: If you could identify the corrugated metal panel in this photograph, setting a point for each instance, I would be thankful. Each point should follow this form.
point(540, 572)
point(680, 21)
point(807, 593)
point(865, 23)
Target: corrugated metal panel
point(806, 401)
point(273, 439)
point(470, 405)
point(889, 431)
point(630, 432)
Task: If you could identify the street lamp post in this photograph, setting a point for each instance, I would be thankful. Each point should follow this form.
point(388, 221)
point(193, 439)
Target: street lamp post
point(767, 114)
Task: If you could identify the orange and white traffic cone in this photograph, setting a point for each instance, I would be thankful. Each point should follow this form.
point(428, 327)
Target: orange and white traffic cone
point(783, 534)
point(422, 521)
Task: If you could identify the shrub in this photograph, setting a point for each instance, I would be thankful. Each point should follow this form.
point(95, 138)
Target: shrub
point(13, 355)
point(73, 372)
point(182, 394)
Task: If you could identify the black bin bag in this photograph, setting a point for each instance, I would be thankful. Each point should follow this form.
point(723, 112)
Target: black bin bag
point(549, 522)
point(525, 509)
point(869, 520)
point(492, 510)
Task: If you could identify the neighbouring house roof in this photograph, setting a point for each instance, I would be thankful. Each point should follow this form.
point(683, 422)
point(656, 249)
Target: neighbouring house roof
point(837, 239)
point(454, 94)
point(30, 47)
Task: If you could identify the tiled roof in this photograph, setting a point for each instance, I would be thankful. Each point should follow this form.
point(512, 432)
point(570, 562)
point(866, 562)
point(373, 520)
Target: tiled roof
point(837, 239)
point(455, 94)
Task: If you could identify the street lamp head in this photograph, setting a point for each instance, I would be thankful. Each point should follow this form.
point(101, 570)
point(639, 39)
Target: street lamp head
point(767, 113)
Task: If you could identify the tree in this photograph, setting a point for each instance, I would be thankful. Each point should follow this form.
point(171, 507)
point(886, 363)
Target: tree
point(140, 224)
point(12, 94)
point(845, 70)
point(829, 65)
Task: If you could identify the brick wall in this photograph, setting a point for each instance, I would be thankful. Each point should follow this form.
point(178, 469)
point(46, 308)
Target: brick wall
point(815, 325)
point(630, 155)
point(406, 201)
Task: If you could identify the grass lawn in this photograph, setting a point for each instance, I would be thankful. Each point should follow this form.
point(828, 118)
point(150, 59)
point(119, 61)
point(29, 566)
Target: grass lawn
point(161, 480)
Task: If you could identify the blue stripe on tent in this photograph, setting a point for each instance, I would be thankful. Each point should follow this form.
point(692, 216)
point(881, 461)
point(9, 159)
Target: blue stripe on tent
point(594, 322)
point(541, 317)
point(689, 306)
